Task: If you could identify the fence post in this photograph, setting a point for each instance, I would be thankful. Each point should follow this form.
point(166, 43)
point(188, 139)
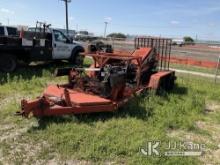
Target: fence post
point(217, 68)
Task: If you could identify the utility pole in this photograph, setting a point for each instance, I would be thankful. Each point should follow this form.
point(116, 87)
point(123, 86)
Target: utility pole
point(106, 24)
point(67, 16)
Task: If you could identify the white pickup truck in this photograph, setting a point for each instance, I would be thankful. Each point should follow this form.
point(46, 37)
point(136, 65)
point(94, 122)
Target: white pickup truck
point(29, 46)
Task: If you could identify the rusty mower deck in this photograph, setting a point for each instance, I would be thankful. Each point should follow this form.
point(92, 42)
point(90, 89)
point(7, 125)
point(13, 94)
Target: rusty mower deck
point(108, 84)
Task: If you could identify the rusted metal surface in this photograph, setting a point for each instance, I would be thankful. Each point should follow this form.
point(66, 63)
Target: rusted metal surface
point(76, 97)
point(161, 79)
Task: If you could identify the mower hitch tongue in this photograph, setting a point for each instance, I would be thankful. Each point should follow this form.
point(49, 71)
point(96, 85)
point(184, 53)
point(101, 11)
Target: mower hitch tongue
point(110, 82)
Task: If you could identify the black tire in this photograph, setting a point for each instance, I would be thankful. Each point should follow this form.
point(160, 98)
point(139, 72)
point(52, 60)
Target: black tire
point(76, 58)
point(8, 63)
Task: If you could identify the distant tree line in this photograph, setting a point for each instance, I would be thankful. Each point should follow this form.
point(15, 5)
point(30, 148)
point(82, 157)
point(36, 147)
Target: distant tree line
point(117, 35)
point(187, 39)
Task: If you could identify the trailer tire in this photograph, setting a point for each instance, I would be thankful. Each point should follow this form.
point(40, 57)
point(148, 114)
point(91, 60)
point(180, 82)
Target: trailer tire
point(8, 63)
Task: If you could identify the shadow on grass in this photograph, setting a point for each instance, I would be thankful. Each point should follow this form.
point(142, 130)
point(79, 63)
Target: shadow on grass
point(27, 72)
point(177, 90)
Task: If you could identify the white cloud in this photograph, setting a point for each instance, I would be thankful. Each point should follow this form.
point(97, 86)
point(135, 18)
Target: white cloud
point(71, 18)
point(108, 19)
point(6, 11)
point(212, 24)
point(175, 22)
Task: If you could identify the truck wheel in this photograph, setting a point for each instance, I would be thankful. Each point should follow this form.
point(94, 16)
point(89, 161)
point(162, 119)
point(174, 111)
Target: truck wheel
point(77, 59)
point(8, 63)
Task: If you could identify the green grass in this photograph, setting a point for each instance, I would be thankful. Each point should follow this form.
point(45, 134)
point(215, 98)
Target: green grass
point(104, 137)
point(194, 68)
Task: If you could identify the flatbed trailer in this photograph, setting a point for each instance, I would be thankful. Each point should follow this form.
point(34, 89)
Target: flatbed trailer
point(110, 82)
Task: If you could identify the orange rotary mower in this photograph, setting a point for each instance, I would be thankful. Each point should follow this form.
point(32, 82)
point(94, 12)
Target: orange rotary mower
point(110, 82)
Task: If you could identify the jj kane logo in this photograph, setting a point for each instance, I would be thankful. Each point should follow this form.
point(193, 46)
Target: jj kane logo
point(153, 148)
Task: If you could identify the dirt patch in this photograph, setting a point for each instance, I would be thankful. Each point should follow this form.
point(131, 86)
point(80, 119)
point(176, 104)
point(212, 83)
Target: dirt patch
point(211, 139)
point(210, 156)
point(4, 128)
point(68, 162)
point(213, 129)
point(1, 154)
point(10, 99)
point(24, 152)
point(216, 155)
point(212, 106)
point(13, 134)
point(15, 98)
point(189, 136)
point(76, 162)
point(19, 149)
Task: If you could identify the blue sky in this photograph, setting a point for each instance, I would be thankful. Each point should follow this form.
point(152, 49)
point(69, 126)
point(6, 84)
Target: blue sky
point(170, 18)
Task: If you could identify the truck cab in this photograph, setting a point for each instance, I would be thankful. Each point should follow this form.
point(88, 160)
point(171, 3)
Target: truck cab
point(63, 47)
point(36, 44)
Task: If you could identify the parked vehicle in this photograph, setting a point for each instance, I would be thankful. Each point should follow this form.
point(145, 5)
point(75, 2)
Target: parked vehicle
point(178, 42)
point(8, 31)
point(45, 45)
point(85, 36)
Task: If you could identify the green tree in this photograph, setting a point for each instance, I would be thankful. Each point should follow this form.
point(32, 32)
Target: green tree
point(189, 40)
point(117, 35)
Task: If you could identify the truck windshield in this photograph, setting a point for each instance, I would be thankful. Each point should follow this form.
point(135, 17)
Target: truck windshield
point(12, 31)
point(59, 36)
